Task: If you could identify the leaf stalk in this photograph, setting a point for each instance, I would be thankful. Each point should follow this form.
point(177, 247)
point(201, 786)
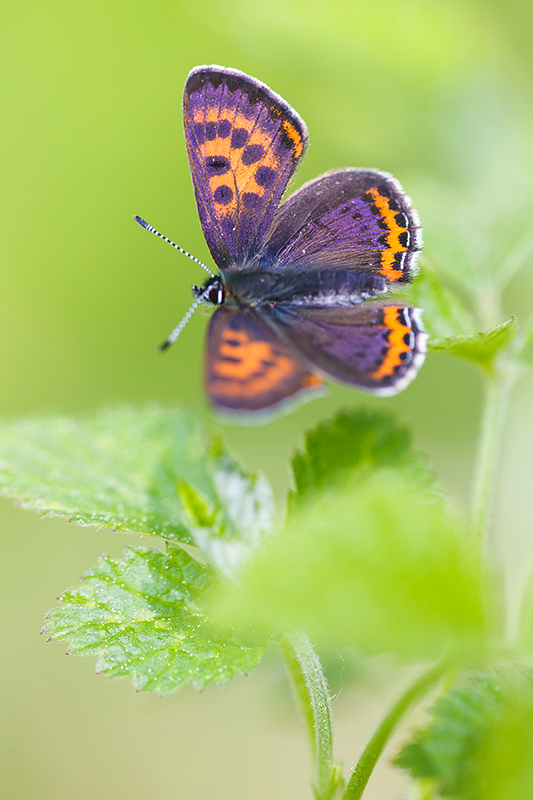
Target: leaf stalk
point(311, 690)
point(498, 385)
point(367, 761)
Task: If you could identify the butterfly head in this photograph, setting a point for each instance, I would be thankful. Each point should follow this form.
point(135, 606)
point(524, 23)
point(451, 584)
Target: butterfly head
point(211, 293)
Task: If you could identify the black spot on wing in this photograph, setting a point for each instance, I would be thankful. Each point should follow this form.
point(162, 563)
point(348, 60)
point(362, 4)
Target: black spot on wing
point(199, 133)
point(265, 176)
point(252, 154)
point(217, 165)
point(224, 128)
point(250, 200)
point(211, 131)
point(223, 195)
point(239, 138)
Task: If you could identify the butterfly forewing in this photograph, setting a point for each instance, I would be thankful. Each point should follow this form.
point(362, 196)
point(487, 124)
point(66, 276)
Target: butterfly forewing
point(244, 143)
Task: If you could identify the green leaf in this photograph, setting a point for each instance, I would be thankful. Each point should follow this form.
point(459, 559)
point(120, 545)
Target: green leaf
point(371, 564)
point(422, 790)
point(444, 313)
point(479, 347)
point(143, 470)
point(370, 558)
point(479, 742)
point(140, 616)
point(355, 443)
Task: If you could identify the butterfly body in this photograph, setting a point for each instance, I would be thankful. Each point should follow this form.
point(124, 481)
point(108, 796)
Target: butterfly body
point(299, 295)
point(317, 288)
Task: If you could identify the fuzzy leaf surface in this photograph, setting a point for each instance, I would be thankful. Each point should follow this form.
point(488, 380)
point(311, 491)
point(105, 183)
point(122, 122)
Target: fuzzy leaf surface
point(140, 616)
point(144, 470)
point(478, 744)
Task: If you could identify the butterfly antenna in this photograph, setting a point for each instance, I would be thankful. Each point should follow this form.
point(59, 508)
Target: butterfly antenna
point(148, 227)
point(182, 323)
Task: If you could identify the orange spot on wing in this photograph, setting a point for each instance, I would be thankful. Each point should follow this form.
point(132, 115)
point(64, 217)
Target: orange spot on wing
point(241, 177)
point(397, 346)
point(252, 366)
point(309, 381)
point(393, 236)
point(294, 136)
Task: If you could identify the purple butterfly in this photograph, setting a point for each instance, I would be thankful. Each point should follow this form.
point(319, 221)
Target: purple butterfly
point(294, 278)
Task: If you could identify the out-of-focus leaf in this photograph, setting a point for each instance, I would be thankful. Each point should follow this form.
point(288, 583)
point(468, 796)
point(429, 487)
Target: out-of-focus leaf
point(479, 742)
point(480, 236)
point(141, 470)
point(477, 222)
point(422, 790)
point(525, 634)
point(479, 347)
point(444, 313)
point(525, 353)
point(140, 616)
point(355, 444)
point(372, 563)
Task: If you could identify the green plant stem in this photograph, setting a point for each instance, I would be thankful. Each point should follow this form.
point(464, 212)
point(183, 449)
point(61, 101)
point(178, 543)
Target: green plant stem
point(497, 388)
point(311, 691)
point(367, 761)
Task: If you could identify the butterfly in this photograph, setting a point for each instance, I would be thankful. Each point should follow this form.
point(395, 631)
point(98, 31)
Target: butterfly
point(297, 294)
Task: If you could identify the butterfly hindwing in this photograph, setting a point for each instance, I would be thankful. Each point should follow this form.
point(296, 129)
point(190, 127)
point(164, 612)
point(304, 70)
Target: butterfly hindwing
point(375, 347)
point(352, 218)
point(244, 143)
point(248, 367)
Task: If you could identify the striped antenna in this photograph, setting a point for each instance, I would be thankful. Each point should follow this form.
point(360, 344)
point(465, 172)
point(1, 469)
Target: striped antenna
point(148, 227)
point(184, 320)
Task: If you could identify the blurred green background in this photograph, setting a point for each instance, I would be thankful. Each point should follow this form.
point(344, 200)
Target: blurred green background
point(437, 93)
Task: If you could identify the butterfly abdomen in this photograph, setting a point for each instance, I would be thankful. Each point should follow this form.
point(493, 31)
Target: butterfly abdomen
point(330, 287)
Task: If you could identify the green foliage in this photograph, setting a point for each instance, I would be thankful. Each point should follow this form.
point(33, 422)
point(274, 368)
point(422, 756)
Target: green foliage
point(525, 633)
point(452, 329)
point(479, 742)
point(444, 313)
point(351, 446)
point(454, 77)
point(141, 617)
point(479, 232)
point(142, 470)
point(371, 560)
point(481, 348)
point(525, 352)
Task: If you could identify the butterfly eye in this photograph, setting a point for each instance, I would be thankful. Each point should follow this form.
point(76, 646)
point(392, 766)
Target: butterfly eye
point(216, 295)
